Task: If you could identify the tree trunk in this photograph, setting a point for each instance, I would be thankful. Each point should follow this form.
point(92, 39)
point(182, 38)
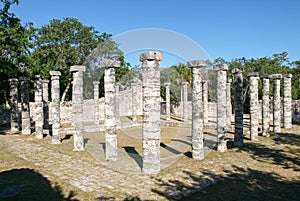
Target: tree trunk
point(67, 89)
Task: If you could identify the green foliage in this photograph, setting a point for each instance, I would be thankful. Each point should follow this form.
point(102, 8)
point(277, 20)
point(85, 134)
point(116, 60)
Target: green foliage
point(14, 46)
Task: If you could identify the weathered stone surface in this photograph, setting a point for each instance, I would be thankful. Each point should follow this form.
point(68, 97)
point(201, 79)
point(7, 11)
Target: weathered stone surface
point(39, 111)
point(14, 113)
point(96, 102)
point(46, 105)
point(151, 111)
point(197, 63)
point(111, 149)
point(205, 101)
point(117, 104)
point(221, 106)
point(238, 107)
point(185, 101)
point(110, 63)
point(134, 102)
point(287, 101)
point(55, 110)
point(197, 110)
point(265, 106)
point(77, 106)
point(276, 103)
point(228, 102)
point(253, 82)
point(168, 108)
point(151, 55)
point(26, 124)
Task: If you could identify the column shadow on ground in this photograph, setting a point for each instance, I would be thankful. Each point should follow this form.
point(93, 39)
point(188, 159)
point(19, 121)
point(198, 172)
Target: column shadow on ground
point(134, 155)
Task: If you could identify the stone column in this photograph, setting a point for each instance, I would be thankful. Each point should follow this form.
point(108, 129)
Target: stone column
point(14, 113)
point(228, 102)
point(168, 105)
point(133, 102)
point(38, 101)
point(253, 89)
point(185, 101)
point(111, 149)
point(238, 107)
point(46, 105)
point(205, 101)
point(197, 109)
point(26, 124)
point(77, 106)
point(221, 105)
point(287, 101)
point(117, 104)
point(151, 111)
point(96, 102)
point(265, 105)
point(276, 103)
point(55, 109)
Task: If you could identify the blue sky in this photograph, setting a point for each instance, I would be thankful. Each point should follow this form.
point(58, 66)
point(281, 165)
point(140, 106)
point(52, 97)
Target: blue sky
point(228, 29)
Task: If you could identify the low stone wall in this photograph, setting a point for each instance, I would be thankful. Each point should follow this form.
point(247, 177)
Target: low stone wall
point(125, 110)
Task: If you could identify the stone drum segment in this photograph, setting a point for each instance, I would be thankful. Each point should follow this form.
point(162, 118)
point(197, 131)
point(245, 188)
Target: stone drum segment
point(55, 111)
point(265, 105)
point(276, 103)
point(221, 106)
point(197, 109)
point(151, 111)
point(26, 124)
point(14, 113)
point(39, 110)
point(77, 106)
point(253, 82)
point(111, 149)
point(287, 101)
point(238, 107)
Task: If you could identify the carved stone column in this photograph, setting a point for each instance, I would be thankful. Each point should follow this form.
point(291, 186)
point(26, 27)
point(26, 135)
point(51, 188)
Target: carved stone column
point(55, 110)
point(168, 108)
point(253, 81)
point(276, 103)
point(151, 111)
point(96, 102)
point(287, 101)
point(185, 101)
point(205, 101)
point(26, 124)
point(265, 105)
point(228, 102)
point(38, 101)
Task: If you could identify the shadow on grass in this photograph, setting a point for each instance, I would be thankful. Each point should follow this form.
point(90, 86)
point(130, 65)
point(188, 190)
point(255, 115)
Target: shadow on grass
point(286, 155)
point(27, 184)
point(238, 184)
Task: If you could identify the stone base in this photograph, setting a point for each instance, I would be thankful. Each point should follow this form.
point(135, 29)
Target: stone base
point(198, 154)
point(26, 132)
point(222, 146)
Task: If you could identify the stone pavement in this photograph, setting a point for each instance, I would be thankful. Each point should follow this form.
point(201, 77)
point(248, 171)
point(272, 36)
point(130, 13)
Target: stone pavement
point(117, 180)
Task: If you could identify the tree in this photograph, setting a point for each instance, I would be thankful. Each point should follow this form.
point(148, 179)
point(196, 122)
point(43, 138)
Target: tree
point(61, 44)
point(14, 45)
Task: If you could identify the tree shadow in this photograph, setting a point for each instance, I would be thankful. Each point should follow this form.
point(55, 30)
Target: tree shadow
point(285, 156)
point(27, 184)
point(237, 184)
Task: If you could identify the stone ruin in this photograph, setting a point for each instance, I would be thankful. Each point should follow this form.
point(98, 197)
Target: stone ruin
point(146, 102)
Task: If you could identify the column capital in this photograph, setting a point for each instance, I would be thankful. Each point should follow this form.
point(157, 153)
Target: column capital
point(276, 76)
point(110, 63)
point(96, 82)
point(55, 73)
point(253, 74)
point(197, 63)
point(151, 55)
point(287, 75)
point(220, 67)
point(184, 83)
point(265, 76)
point(236, 71)
point(46, 81)
point(167, 84)
point(24, 78)
point(13, 80)
point(77, 68)
point(38, 77)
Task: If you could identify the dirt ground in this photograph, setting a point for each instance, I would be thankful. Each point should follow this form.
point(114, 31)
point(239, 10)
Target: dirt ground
point(268, 169)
